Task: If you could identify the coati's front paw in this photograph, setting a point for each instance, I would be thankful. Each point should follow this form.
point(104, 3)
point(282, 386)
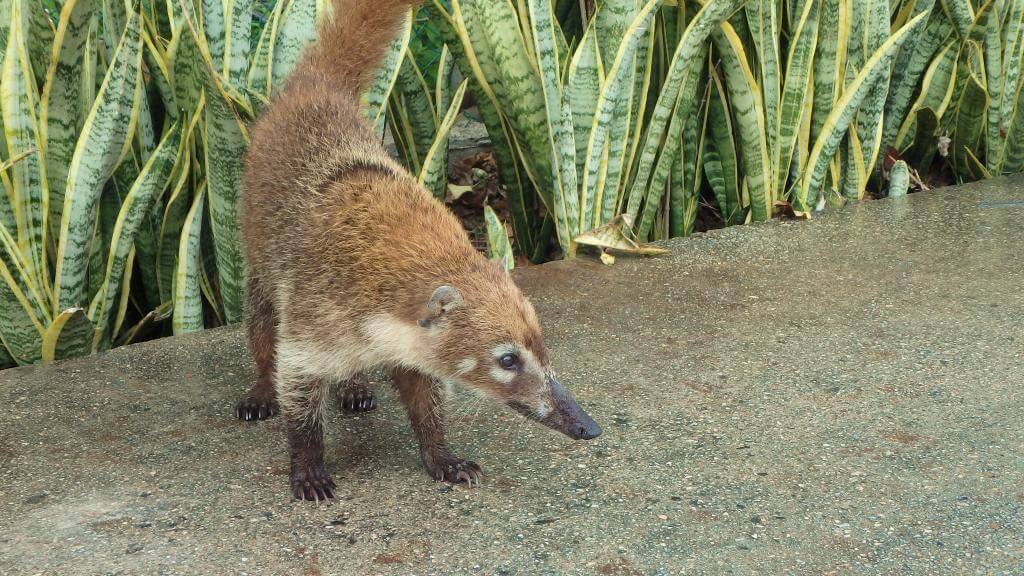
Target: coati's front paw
point(355, 396)
point(444, 466)
point(312, 484)
point(252, 408)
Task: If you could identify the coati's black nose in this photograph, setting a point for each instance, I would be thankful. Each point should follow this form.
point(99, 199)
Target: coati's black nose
point(585, 427)
point(589, 431)
point(566, 415)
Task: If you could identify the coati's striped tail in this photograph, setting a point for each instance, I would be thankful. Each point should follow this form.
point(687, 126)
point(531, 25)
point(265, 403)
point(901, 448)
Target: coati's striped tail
point(352, 44)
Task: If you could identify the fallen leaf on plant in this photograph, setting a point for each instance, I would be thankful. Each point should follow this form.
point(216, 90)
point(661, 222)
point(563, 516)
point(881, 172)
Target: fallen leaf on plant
point(457, 190)
point(618, 235)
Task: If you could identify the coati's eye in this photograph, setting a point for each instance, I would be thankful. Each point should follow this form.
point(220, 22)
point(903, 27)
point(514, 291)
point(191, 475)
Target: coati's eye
point(509, 361)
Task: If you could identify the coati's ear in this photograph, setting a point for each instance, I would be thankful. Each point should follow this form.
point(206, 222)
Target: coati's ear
point(443, 299)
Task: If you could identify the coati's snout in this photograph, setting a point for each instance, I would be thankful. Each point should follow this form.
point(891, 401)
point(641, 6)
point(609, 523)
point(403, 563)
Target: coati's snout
point(495, 347)
point(565, 414)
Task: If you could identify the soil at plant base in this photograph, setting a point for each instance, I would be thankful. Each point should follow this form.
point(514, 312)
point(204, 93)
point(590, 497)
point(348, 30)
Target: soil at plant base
point(472, 184)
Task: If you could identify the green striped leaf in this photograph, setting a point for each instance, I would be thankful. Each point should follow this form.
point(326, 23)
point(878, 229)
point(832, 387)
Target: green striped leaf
point(745, 100)
point(226, 139)
point(29, 198)
point(151, 181)
point(907, 70)
point(839, 120)
point(626, 126)
point(114, 17)
point(171, 223)
point(687, 177)
point(122, 308)
point(586, 75)
point(678, 94)
point(102, 144)
point(899, 179)
point(869, 115)
point(61, 112)
point(420, 115)
point(854, 166)
point(511, 172)
point(260, 73)
point(993, 77)
point(297, 30)
point(828, 61)
point(20, 328)
point(505, 67)
point(1013, 152)
point(969, 123)
point(610, 24)
point(764, 28)
point(213, 26)
point(936, 91)
point(188, 302)
point(720, 162)
point(5, 26)
point(1004, 85)
point(158, 63)
point(387, 75)
point(114, 193)
point(443, 84)
point(498, 246)
point(69, 336)
point(613, 22)
point(794, 95)
point(565, 194)
point(433, 175)
point(39, 38)
point(962, 15)
point(237, 24)
point(186, 61)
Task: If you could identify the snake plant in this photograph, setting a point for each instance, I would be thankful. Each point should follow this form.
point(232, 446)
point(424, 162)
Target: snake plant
point(124, 123)
point(649, 107)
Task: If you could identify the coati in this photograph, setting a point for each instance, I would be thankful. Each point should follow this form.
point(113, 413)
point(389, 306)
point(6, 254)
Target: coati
point(353, 265)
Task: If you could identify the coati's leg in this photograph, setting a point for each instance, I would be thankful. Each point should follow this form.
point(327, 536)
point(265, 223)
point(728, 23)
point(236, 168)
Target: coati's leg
point(261, 321)
point(354, 395)
point(302, 404)
point(422, 398)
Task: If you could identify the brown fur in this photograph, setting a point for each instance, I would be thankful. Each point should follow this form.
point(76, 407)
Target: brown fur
point(337, 234)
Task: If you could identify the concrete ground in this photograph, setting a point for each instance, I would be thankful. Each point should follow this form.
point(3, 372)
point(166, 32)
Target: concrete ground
point(839, 396)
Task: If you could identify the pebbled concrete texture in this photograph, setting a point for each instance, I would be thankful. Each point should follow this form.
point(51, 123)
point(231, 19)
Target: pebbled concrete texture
point(839, 396)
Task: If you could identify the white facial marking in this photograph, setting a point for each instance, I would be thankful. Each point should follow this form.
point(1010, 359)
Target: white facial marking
point(504, 348)
point(530, 363)
point(499, 374)
point(465, 365)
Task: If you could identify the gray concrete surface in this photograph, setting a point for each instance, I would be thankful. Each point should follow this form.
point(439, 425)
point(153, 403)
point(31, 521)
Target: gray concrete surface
point(840, 396)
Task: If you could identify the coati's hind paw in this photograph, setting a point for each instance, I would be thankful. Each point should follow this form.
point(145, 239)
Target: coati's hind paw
point(355, 396)
point(252, 408)
point(453, 470)
point(312, 484)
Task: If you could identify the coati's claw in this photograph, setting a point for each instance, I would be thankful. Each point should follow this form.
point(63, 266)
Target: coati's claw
point(355, 396)
point(250, 409)
point(457, 471)
point(313, 485)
